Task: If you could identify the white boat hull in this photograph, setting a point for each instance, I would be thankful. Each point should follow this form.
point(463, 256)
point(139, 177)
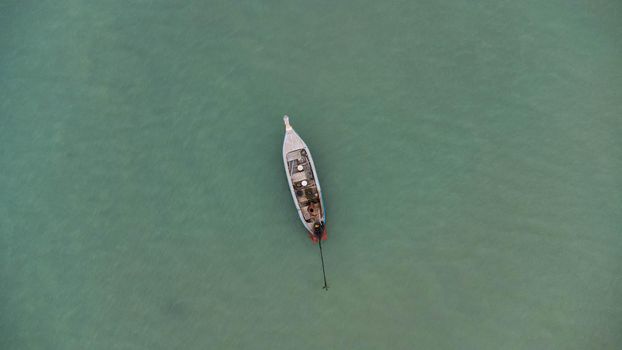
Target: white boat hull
point(303, 183)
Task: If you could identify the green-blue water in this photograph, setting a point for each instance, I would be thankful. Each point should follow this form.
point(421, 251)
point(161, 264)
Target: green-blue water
point(470, 156)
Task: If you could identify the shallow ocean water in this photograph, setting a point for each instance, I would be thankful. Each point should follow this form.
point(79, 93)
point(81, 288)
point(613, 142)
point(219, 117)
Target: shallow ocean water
point(469, 154)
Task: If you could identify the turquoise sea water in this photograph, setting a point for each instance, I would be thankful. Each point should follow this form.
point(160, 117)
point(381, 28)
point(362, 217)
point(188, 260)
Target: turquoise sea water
point(470, 156)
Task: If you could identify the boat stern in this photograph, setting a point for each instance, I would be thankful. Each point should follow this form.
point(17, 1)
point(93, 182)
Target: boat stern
point(317, 232)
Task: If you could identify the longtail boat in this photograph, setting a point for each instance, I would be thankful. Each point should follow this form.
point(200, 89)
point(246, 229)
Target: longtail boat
point(304, 186)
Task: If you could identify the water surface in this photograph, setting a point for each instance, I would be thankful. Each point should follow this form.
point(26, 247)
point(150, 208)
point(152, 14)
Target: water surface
point(469, 154)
